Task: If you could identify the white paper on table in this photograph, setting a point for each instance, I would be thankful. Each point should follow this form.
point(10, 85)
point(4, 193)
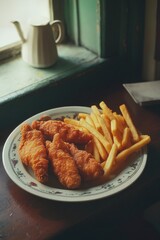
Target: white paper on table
point(144, 93)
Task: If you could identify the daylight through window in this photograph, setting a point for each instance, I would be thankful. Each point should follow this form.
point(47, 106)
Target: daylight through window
point(22, 11)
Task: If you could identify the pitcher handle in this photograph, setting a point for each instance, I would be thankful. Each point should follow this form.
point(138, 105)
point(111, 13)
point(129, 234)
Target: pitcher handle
point(60, 25)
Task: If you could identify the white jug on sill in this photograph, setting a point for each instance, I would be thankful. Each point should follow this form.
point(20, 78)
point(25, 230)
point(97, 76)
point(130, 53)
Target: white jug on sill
point(39, 47)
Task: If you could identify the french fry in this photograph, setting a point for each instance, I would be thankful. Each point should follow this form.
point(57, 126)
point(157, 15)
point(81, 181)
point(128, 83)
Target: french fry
point(95, 110)
point(117, 136)
point(129, 122)
point(120, 118)
point(110, 160)
point(107, 122)
point(102, 124)
point(126, 138)
point(75, 123)
point(105, 130)
point(120, 121)
point(114, 127)
point(117, 141)
point(97, 134)
point(102, 152)
point(89, 120)
point(82, 115)
point(72, 121)
point(106, 110)
point(144, 140)
point(97, 114)
point(96, 122)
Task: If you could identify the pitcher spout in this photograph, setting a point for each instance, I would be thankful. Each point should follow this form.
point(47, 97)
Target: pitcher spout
point(19, 30)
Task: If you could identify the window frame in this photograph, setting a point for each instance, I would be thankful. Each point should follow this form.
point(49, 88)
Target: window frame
point(77, 30)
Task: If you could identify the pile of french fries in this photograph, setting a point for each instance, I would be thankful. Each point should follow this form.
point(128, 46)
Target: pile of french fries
point(115, 136)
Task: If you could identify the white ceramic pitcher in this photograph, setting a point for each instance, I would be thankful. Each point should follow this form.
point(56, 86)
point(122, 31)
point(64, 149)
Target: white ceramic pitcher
point(39, 47)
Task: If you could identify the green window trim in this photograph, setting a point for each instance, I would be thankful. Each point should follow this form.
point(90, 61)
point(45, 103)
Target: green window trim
point(109, 28)
point(83, 23)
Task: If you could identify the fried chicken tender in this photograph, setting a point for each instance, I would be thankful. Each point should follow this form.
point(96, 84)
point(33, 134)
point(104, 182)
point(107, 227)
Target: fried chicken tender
point(33, 152)
point(88, 167)
point(67, 132)
point(63, 165)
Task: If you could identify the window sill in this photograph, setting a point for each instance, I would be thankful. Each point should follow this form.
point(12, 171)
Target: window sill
point(18, 78)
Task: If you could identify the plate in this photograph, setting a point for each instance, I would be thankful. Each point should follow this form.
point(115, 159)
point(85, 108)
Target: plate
point(24, 178)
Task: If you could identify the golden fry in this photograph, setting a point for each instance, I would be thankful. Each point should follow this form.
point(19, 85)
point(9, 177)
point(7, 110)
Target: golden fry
point(126, 139)
point(114, 127)
point(96, 122)
point(117, 136)
point(145, 139)
point(82, 115)
point(117, 141)
point(95, 110)
point(106, 110)
point(102, 124)
point(120, 121)
point(102, 152)
point(72, 121)
point(105, 130)
point(110, 160)
point(101, 149)
point(97, 134)
point(107, 122)
point(129, 122)
point(89, 120)
point(75, 123)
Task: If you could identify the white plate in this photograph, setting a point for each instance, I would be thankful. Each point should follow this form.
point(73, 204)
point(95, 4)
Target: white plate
point(25, 179)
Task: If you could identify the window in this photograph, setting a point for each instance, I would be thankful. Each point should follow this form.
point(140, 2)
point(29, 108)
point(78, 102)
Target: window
point(81, 20)
point(21, 11)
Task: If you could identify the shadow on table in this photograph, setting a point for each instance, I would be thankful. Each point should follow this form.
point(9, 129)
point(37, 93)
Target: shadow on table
point(137, 228)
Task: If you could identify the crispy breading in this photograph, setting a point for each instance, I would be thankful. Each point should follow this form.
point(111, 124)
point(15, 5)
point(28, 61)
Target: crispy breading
point(33, 153)
point(67, 132)
point(63, 165)
point(89, 168)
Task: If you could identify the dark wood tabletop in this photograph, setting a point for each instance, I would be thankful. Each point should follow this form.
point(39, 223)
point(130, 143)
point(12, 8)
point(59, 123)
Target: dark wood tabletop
point(26, 216)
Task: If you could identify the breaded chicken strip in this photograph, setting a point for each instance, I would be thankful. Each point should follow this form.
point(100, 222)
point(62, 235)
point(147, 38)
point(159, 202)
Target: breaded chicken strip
point(33, 152)
point(88, 167)
point(62, 163)
point(67, 132)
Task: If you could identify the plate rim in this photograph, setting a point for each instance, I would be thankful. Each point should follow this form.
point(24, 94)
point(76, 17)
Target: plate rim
point(33, 191)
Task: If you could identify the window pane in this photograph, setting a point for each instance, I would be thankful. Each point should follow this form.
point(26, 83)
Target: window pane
point(22, 11)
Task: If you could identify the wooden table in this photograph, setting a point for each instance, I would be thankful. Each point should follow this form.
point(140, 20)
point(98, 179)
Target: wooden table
point(25, 216)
